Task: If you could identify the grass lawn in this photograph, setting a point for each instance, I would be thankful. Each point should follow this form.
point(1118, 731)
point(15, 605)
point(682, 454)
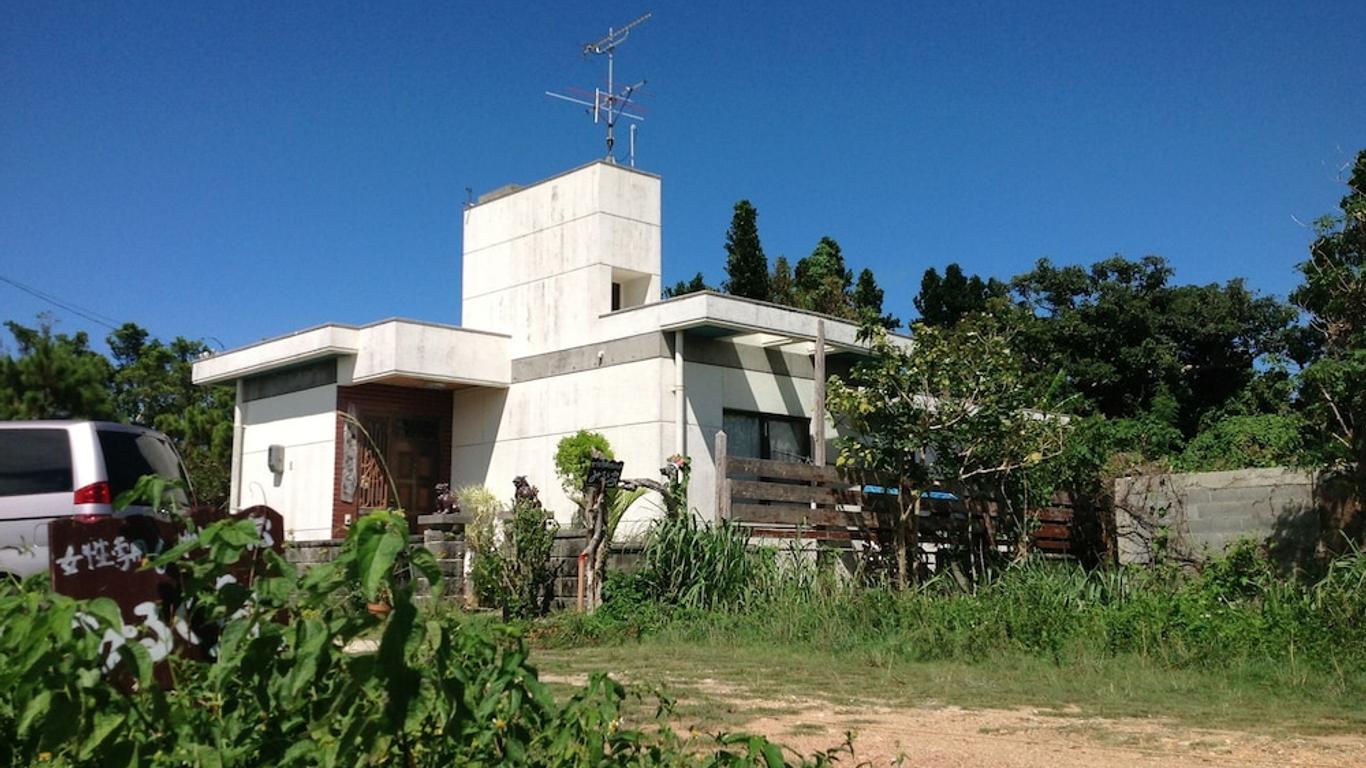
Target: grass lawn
point(715, 682)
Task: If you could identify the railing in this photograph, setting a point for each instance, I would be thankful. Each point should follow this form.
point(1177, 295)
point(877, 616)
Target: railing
point(784, 499)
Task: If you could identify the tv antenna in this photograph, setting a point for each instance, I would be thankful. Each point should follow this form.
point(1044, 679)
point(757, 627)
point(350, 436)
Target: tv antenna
point(607, 106)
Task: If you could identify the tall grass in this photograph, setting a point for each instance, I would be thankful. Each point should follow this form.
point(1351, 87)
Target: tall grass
point(699, 583)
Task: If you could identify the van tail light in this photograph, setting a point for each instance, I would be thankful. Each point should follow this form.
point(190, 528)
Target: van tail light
point(95, 493)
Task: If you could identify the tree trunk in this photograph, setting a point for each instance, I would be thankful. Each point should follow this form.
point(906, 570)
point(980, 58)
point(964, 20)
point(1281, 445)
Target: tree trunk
point(904, 535)
point(596, 524)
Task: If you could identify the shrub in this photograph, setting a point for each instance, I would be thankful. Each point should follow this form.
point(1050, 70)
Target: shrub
point(573, 454)
point(290, 686)
point(524, 562)
point(483, 506)
point(1236, 615)
point(1238, 442)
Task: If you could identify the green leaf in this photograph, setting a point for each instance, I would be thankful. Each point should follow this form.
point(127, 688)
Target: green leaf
point(36, 708)
point(773, 755)
point(105, 723)
point(105, 610)
point(136, 656)
point(375, 557)
point(425, 563)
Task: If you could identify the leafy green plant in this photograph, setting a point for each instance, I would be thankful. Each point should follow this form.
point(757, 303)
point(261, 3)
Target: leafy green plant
point(1238, 616)
point(573, 455)
point(523, 560)
point(1238, 442)
point(699, 565)
point(290, 682)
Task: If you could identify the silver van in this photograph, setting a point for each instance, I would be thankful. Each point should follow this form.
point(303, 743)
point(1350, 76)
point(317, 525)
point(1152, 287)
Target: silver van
point(51, 469)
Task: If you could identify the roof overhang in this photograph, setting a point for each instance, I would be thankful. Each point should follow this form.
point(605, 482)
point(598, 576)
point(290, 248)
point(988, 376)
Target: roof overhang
point(746, 321)
point(398, 352)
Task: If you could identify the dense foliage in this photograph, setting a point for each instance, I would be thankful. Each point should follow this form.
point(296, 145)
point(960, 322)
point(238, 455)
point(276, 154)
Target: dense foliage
point(522, 561)
point(1238, 616)
point(943, 301)
point(144, 381)
point(574, 453)
point(820, 282)
point(746, 264)
point(1190, 377)
point(952, 411)
point(304, 674)
point(1333, 295)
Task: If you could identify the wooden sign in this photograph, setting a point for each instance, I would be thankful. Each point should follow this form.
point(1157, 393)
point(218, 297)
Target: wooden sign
point(603, 474)
point(106, 557)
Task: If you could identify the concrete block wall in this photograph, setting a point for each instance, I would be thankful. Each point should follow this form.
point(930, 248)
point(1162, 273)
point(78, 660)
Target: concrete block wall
point(310, 554)
point(449, 548)
point(1201, 513)
point(564, 564)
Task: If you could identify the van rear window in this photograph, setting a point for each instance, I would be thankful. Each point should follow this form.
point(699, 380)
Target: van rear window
point(34, 461)
point(130, 455)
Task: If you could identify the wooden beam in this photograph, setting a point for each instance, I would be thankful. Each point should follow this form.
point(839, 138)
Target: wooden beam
point(803, 515)
point(818, 418)
point(798, 494)
point(722, 483)
point(782, 470)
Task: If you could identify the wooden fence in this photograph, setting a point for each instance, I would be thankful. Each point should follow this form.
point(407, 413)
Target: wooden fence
point(781, 499)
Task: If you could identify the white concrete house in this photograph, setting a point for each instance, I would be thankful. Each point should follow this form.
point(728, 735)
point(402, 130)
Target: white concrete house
point(563, 329)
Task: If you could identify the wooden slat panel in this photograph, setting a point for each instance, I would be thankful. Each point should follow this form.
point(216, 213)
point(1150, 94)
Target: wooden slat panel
point(1052, 515)
point(821, 535)
point(1052, 532)
point(793, 514)
point(781, 470)
point(1054, 545)
point(802, 494)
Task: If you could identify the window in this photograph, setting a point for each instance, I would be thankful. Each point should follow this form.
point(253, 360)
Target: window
point(767, 436)
point(130, 455)
point(616, 296)
point(294, 379)
point(34, 461)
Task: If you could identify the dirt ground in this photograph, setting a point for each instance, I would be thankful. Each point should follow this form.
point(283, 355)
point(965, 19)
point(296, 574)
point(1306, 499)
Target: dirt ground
point(951, 737)
point(935, 736)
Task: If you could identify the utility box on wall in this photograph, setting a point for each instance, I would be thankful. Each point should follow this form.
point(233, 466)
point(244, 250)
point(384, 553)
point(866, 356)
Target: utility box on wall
point(275, 459)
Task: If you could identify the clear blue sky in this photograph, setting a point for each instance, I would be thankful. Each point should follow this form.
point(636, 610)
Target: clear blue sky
point(244, 170)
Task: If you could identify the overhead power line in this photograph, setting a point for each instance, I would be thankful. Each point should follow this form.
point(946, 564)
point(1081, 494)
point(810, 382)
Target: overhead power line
point(88, 314)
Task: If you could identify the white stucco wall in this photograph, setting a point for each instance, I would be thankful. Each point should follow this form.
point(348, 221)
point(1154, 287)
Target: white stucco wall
point(538, 262)
point(304, 423)
point(501, 434)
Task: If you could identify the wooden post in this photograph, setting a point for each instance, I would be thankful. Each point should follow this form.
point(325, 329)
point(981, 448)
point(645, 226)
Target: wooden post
point(818, 418)
point(722, 484)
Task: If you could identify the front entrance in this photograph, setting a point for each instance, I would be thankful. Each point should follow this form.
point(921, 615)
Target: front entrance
point(409, 433)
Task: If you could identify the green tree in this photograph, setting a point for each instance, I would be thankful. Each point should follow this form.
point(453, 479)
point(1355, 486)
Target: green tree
point(573, 457)
point(152, 385)
point(867, 300)
point(950, 411)
point(746, 265)
point(1333, 295)
point(942, 301)
point(781, 288)
point(1129, 341)
point(823, 281)
point(53, 376)
point(697, 284)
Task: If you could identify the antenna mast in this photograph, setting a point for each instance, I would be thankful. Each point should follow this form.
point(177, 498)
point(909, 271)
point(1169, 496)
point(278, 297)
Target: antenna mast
point(609, 105)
